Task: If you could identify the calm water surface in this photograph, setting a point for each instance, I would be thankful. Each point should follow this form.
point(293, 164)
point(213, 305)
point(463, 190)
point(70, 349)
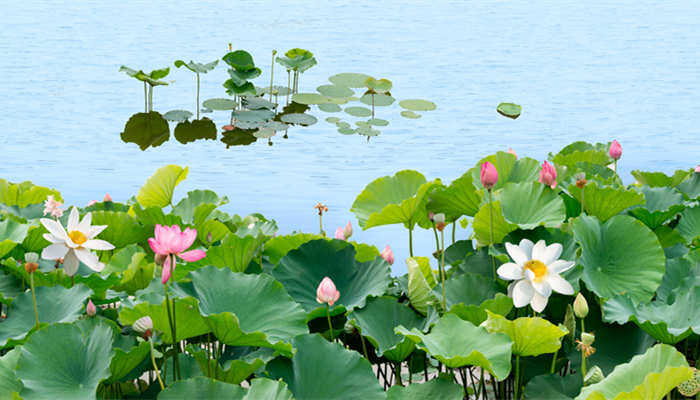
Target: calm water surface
point(589, 70)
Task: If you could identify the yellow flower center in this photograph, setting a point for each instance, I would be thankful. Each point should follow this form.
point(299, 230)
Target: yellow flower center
point(77, 237)
point(538, 268)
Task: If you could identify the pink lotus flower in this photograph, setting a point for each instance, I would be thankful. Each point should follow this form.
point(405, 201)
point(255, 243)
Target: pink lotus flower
point(489, 175)
point(388, 255)
point(697, 169)
point(53, 207)
point(511, 151)
point(347, 231)
point(171, 241)
point(91, 310)
point(91, 203)
point(548, 175)
point(339, 233)
point(615, 150)
point(107, 198)
point(326, 292)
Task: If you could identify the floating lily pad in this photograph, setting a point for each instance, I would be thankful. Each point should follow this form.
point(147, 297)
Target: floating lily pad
point(253, 115)
point(219, 104)
point(277, 90)
point(335, 91)
point(275, 125)
point(410, 114)
point(380, 100)
point(309, 98)
point(417, 105)
point(358, 111)
point(378, 122)
point(299, 119)
point(332, 120)
point(264, 133)
point(346, 131)
point(329, 107)
point(367, 131)
point(177, 115)
point(342, 125)
point(509, 110)
point(349, 79)
point(257, 103)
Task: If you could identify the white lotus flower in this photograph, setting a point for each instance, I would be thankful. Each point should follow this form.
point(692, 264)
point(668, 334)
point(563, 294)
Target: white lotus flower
point(536, 270)
point(75, 244)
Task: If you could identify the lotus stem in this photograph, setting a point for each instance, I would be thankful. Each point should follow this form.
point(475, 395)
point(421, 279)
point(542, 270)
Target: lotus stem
point(454, 230)
point(583, 356)
point(197, 95)
point(36, 310)
point(442, 269)
point(330, 326)
point(320, 225)
point(150, 98)
point(364, 346)
point(493, 259)
point(372, 105)
point(289, 82)
point(171, 322)
point(583, 194)
point(554, 361)
point(155, 366)
point(517, 378)
point(145, 97)
point(410, 241)
point(437, 240)
point(272, 71)
point(397, 374)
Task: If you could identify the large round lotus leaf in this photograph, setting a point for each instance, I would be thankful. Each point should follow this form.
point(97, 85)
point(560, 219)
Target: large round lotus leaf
point(689, 225)
point(12, 234)
point(219, 104)
point(158, 189)
point(128, 355)
point(440, 388)
point(620, 256)
point(477, 313)
point(24, 194)
point(648, 376)
point(659, 179)
point(239, 59)
point(483, 229)
point(346, 131)
point(458, 199)
point(457, 343)
point(302, 269)
point(682, 274)
point(253, 115)
point(276, 126)
point(393, 199)
point(10, 386)
point(378, 85)
point(691, 186)
point(122, 229)
point(349, 79)
point(531, 204)
point(578, 152)
point(278, 246)
point(667, 323)
point(62, 361)
point(186, 132)
point(410, 115)
point(55, 304)
point(510, 110)
point(197, 67)
point(378, 122)
point(531, 336)
point(310, 376)
point(186, 208)
point(177, 115)
point(421, 282)
point(553, 387)
point(187, 318)
point(367, 131)
point(234, 366)
point(330, 107)
point(207, 388)
point(343, 125)
point(333, 120)
point(146, 130)
point(662, 204)
point(605, 202)
point(335, 91)
point(417, 105)
point(241, 90)
point(299, 119)
point(246, 310)
point(509, 169)
point(469, 289)
point(240, 78)
point(377, 321)
point(309, 98)
point(358, 111)
point(379, 99)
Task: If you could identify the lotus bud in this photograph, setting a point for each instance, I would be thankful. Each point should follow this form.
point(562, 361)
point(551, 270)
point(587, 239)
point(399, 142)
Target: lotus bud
point(511, 151)
point(431, 216)
point(548, 175)
point(388, 255)
point(159, 259)
point(587, 338)
point(594, 375)
point(167, 271)
point(339, 233)
point(91, 310)
point(439, 220)
point(91, 203)
point(326, 292)
point(144, 326)
point(107, 198)
point(580, 306)
point(697, 169)
point(615, 150)
point(209, 237)
point(489, 175)
point(347, 231)
point(31, 262)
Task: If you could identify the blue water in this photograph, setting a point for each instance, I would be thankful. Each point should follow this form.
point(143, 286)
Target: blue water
point(592, 70)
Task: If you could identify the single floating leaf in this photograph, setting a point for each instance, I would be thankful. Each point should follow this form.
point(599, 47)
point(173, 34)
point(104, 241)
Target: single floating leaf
point(410, 115)
point(358, 111)
point(417, 105)
point(219, 104)
point(510, 110)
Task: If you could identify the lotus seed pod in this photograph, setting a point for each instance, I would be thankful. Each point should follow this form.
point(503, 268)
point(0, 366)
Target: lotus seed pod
point(587, 338)
point(580, 306)
point(691, 387)
point(593, 376)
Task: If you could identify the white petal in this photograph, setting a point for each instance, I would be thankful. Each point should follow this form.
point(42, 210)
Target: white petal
point(73, 219)
point(559, 284)
point(70, 263)
point(526, 246)
point(95, 230)
point(538, 302)
point(510, 271)
point(51, 238)
point(517, 254)
point(88, 258)
point(522, 293)
point(54, 251)
point(551, 253)
point(84, 225)
point(542, 288)
point(560, 266)
point(538, 250)
point(55, 228)
point(97, 244)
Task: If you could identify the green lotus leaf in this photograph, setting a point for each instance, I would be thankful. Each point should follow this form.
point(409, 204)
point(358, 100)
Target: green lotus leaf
point(279, 246)
point(469, 289)
point(410, 115)
point(458, 199)
point(246, 89)
point(12, 233)
point(253, 115)
point(440, 388)
point(152, 78)
point(377, 320)
point(277, 90)
point(258, 103)
point(122, 229)
point(264, 133)
point(246, 310)
point(219, 104)
point(128, 355)
point(297, 63)
point(358, 111)
point(377, 122)
point(197, 67)
point(335, 91)
point(457, 343)
point(240, 60)
point(605, 202)
point(392, 200)
point(421, 282)
point(177, 115)
point(234, 252)
point(64, 361)
point(186, 132)
point(510, 110)
point(531, 204)
point(302, 269)
point(531, 336)
point(662, 204)
point(509, 169)
point(648, 376)
point(483, 228)
point(329, 107)
point(10, 287)
point(238, 137)
point(691, 186)
point(417, 105)
point(367, 131)
point(201, 387)
point(377, 99)
point(599, 157)
point(158, 189)
point(24, 194)
point(667, 323)
point(54, 304)
point(346, 131)
point(620, 256)
point(240, 78)
point(553, 387)
point(348, 79)
point(309, 98)
point(10, 386)
point(378, 85)
point(309, 376)
point(188, 319)
point(138, 275)
point(659, 179)
point(689, 225)
point(185, 208)
point(233, 366)
point(146, 130)
point(477, 313)
point(682, 274)
point(333, 120)
point(299, 119)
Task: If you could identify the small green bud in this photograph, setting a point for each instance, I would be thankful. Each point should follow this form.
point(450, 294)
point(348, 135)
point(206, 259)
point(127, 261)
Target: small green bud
point(587, 338)
point(580, 306)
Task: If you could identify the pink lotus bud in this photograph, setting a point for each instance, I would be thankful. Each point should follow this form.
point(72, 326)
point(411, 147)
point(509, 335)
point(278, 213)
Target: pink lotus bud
point(548, 175)
point(697, 169)
point(347, 231)
point(326, 292)
point(489, 175)
point(107, 198)
point(615, 150)
point(91, 203)
point(511, 151)
point(143, 326)
point(431, 216)
point(228, 128)
point(167, 271)
point(91, 309)
point(388, 255)
point(339, 233)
